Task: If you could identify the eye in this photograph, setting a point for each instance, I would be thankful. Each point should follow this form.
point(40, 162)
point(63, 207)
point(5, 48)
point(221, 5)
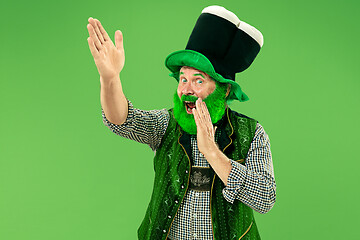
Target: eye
point(199, 81)
point(183, 80)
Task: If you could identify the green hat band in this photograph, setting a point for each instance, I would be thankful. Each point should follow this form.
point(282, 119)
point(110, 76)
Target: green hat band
point(194, 59)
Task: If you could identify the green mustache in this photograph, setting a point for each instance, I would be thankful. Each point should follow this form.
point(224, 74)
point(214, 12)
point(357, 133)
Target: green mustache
point(189, 98)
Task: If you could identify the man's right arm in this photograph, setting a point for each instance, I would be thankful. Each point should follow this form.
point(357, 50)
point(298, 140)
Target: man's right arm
point(113, 101)
point(109, 60)
point(143, 126)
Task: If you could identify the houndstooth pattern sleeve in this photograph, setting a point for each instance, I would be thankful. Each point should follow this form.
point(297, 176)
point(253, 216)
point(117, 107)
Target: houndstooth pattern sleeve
point(254, 183)
point(142, 126)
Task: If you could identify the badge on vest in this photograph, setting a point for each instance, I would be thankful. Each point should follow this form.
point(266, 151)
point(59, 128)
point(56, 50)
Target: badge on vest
point(200, 178)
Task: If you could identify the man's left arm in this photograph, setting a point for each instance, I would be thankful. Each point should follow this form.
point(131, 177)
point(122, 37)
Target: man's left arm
point(252, 183)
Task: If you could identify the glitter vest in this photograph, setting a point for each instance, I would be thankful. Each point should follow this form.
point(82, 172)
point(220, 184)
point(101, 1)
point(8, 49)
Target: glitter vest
point(172, 166)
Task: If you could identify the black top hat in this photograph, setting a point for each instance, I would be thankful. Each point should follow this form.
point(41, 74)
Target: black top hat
point(219, 45)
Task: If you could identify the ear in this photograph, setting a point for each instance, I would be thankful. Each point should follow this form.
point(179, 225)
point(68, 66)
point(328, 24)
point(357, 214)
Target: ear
point(228, 90)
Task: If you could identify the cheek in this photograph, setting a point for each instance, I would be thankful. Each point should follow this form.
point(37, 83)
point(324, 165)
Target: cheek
point(179, 91)
point(210, 90)
point(204, 92)
point(201, 93)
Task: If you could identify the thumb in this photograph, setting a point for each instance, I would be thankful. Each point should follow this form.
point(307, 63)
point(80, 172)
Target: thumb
point(119, 40)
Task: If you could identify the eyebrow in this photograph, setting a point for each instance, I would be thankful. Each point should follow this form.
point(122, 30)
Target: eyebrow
point(196, 74)
point(199, 74)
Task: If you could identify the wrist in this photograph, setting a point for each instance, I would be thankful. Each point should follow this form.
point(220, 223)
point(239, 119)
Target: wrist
point(109, 80)
point(212, 151)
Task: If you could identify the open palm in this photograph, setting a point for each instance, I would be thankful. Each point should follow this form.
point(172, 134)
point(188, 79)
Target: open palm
point(109, 58)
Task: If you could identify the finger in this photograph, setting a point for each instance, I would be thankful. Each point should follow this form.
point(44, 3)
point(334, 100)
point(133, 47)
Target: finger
point(199, 109)
point(206, 113)
point(93, 23)
point(94, 37)
point(196, 117)
point(97, 30)
point(103, 32)
point(119, 40)
point(202, 107)
point(92, 47)
point(206, 118)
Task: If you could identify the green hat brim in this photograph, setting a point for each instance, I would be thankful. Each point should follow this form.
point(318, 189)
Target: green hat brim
point(194, 59)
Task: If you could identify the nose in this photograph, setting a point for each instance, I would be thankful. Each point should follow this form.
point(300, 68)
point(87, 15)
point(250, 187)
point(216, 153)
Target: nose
point(188, 90)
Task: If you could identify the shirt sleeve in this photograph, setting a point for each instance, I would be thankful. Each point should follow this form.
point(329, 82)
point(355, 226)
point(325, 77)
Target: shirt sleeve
point(146, 127)
point(254, 182)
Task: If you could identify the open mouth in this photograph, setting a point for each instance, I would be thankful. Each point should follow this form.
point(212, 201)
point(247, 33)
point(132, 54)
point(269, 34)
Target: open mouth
point(189, 106)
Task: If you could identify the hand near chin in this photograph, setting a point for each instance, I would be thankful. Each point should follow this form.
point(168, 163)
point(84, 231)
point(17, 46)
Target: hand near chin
point(205, 128)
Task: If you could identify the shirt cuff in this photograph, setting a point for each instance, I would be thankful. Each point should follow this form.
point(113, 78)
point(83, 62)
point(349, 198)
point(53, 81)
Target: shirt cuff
point(235, 181)
point(127, 122)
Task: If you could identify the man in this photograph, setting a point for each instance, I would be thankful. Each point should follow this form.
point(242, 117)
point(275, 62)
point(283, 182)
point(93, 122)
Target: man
point(212, 165)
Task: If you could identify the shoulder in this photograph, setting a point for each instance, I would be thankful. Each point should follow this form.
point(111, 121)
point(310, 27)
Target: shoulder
point(241, 122)
point(257, 129)
point(172, 120)
point(239, 115)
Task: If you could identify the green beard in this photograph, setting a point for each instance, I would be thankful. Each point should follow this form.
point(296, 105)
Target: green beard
point(215, 103)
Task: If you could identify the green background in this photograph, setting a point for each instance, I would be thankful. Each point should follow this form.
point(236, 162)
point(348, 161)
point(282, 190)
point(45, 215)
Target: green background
point(64, 175)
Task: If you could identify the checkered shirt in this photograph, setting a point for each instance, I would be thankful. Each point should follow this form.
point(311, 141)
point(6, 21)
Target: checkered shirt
point(252, 183)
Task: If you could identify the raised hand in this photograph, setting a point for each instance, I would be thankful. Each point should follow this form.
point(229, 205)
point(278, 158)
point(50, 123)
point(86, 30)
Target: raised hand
point(109, 58)
point(206, 142)
point(205, 128)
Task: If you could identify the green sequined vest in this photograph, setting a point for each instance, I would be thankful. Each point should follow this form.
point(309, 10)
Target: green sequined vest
point(172, 165)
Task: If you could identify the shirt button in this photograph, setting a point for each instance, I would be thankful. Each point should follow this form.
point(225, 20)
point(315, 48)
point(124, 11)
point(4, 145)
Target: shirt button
point(194, 215)
point(164, 231)
point(197, 194)
point(195, 235)
point(186, 171)
point(169, 216)
point(182, 186)
point(176, 201)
